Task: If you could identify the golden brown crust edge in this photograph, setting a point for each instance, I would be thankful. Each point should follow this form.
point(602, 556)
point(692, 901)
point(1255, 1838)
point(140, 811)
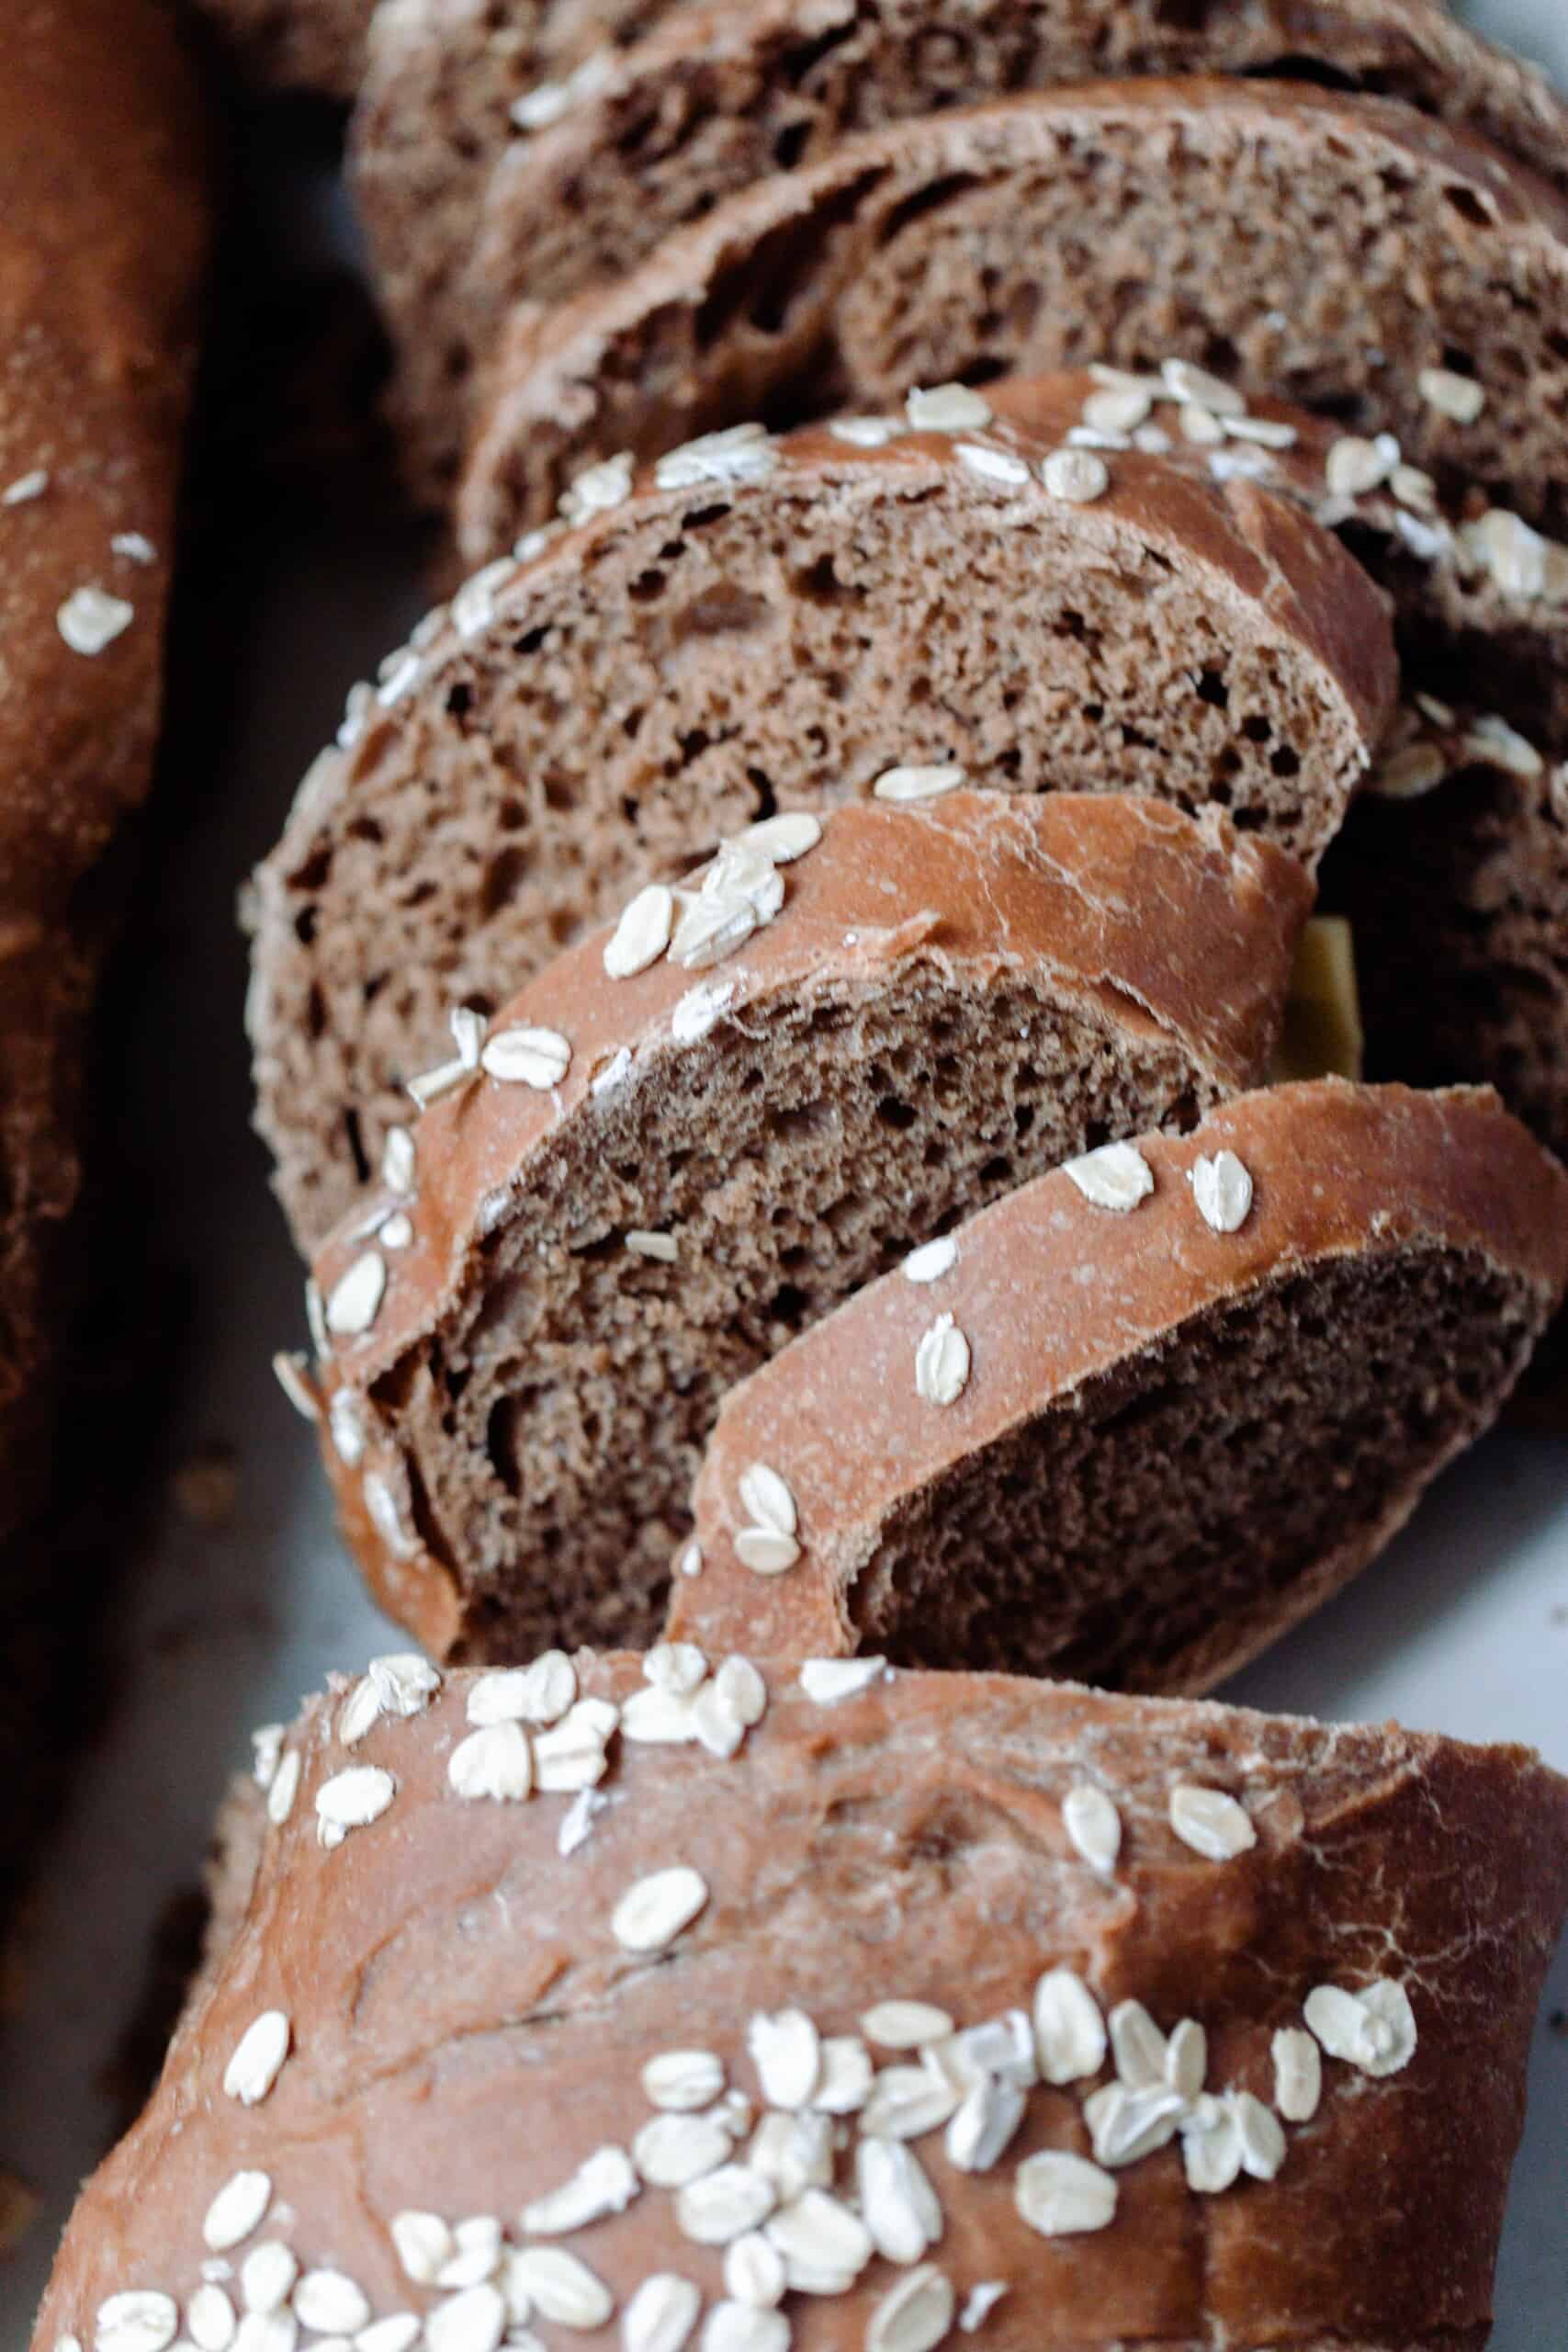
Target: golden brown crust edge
point(1336, 1170)
point(1061, 885)
point(450, 1979)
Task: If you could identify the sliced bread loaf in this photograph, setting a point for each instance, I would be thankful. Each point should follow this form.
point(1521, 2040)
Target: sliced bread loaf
point(1344, 252)
point(1134, 1421)
point(581, 182)
point(666, 1165)
point(762, 624)
point(938, 2004)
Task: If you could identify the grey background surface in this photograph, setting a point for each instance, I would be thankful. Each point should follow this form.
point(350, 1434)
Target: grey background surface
point(1464, 1628)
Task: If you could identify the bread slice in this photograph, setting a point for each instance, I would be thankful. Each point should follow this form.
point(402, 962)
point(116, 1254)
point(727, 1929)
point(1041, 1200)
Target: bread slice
point(1330, 1940)
point(316, 46)
point(777, 626)
point(435, 109)
point(716, 97)
point(719, 1148)
point(1203, 1385)
point(1335, 250)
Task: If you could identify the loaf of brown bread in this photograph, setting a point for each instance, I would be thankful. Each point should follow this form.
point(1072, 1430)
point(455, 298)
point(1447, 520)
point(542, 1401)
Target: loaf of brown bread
point(102, 230)
point(692, 1135)
point(1136, 1419)
point(308, 45)
point(771, 2007)
point(764, 624)
point(1344, 252)
point(581, 180)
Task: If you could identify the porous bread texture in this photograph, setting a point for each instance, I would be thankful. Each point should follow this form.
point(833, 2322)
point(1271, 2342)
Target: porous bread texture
point(433, 113)
point(949, 1000)
point(309, 45)
point(1458, 899)
point(1328, 249)
point(714, 98)
point(465, 2029)
point(1180, 1434)
point(103, 224)
point(693, 658)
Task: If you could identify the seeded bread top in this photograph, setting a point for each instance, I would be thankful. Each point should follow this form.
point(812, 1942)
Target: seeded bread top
point(972, 243)
point(1123, 1249)
point(905, 2000)
point(692, 647)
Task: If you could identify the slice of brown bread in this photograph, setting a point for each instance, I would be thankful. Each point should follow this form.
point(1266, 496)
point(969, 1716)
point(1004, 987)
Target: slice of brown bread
point(706, 1157)
point(1233, 1364)
point(1335, 250)
point(777, 625)
point(716, 97)
point(307, 45)
point(435, 110)
point(1330, 1939)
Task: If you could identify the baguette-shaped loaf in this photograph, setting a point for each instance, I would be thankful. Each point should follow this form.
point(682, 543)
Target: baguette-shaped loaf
point(652, 1181)
point(1220, 2029)
point(1203, 1385)
point(764, 624)
point(1334, 250)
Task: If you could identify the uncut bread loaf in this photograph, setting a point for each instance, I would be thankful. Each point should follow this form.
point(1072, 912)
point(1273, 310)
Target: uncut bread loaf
point(762, 624)
point(308, 45)
point(884, 2009)
point(667, 1164)
point(102, 233)
point(591, 173)
point(1137, 1418)
point(1335, 250)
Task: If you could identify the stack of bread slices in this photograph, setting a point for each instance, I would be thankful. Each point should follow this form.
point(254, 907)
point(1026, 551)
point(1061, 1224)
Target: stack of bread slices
point(828, 1323)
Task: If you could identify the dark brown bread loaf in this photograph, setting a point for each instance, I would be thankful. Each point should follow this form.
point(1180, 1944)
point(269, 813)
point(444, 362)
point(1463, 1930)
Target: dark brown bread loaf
point(1335, 250)
point(662, 1173)
point(777, 625)
point(314, 45)
point(1233, 1366)
point(716, 97)
point(102, 229)
point(442, 78)
point(950, 2003)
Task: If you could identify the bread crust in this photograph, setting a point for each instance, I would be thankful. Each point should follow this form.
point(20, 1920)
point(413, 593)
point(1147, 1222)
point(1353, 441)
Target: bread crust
point(981, 889)
point(464, 2028)
point(1338, 1171)
point(850, 309)
point(1274, 587)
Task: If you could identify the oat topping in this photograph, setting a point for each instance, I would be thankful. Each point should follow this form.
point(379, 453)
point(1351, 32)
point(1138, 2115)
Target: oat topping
point(598, 490)
point(1118, 409)
point(473, 606)
point(1212, 1823)
point(604, 2183)
point(1078, 476)
point(866, 432)
point(658, 1246)
point(138, 2321)
point(1459, 398)
point(330, 2303)
point(1491, 738)
point(135, 547)
point(642, 934)
point(661, 2314)
point(700, 1010)
point(904, 785)
point(1070, 2031)
point(655, 1909)
point(1373, 2030)
point(1094, 1826)
point(238, 2208)
point(616, 1070)
point(283, 1788)
point(724, 2205)
point(528, 1056)
point(992, 465)
point(1200, 425)
point(1267, 432)
point(209, 2319)
point(354, 1300)
point(26, 488)
point(352, 1800)
point(906, 2025)
point(398, 1231)
point(754, 2271)
point(947, 408)
point(825, 1680)
point(942, 1363)
point(474, 2320)
point(258, 2057)
point(428, 1086)
point(1298, 2074)
point(742, 453)
point(1409, 773)
point(1115, 1177)
point(385, 1514)
point(1195, 386)
point(1355, 465)
point(291, 1372)
point(1222, 1191)
point(90, 619)
point(914, 2315)
point(931, 1260)
point(495, 1763)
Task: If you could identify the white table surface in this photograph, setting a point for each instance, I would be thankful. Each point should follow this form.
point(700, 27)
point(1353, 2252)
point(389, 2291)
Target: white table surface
point(1464, 1628)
